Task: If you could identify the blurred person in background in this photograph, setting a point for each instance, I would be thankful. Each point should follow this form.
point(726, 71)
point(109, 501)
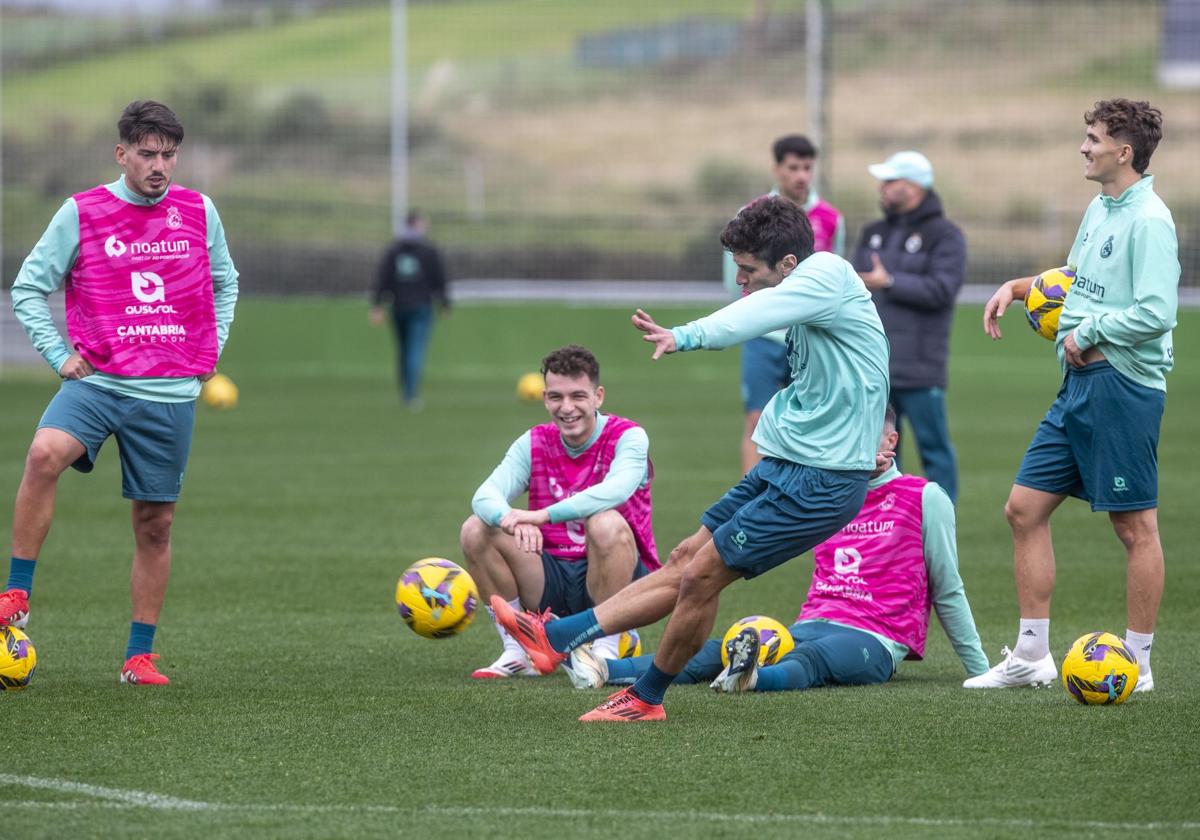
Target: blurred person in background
point(412, 276)
point(764, 360)
point(150, 291)
point(913, 261)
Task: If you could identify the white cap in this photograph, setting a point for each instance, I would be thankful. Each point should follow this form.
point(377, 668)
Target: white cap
point(905, 166)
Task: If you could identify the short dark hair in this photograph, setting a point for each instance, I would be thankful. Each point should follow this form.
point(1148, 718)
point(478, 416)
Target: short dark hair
point(889, 418)
point(770, 228)
point(144, 118)
point(1137, 123)
point(413, 217)
point(793, 144)
point(572, 360)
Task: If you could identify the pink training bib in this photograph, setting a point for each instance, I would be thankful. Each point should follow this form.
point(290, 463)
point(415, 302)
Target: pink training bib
point(555, 475)
point(872, 574)
point(140, 294)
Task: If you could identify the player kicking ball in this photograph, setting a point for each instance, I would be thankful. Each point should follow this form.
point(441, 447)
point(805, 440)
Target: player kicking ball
point(817, 436)
point(874, 584)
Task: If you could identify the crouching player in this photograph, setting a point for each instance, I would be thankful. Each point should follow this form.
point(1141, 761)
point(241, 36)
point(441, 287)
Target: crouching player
point(868, 605)
point(587, 532)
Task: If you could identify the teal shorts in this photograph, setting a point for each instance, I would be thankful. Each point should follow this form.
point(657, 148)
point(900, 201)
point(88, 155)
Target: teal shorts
point(153, 438)
point(1098, 442)
point(780, 510)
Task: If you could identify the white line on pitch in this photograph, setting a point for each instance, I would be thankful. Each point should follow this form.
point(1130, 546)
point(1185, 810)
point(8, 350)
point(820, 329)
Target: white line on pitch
point(115, 798)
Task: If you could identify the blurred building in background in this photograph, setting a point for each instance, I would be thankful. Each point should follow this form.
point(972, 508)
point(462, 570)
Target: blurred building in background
point(570, 139)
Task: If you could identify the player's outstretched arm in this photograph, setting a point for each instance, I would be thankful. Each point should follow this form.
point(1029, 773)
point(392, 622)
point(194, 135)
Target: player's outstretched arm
point(1000, 301)
point(662, 338)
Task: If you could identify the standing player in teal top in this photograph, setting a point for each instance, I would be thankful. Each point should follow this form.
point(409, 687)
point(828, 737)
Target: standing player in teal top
point(150, 291)
point(1099, 440)
point(817, 436)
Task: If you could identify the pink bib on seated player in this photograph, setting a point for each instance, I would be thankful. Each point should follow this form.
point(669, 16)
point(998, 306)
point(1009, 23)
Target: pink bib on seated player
point(555, 475)
point(140, 294)
point(872, 574)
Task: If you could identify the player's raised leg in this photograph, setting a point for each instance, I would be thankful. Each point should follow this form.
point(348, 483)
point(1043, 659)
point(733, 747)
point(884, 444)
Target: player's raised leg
point(644, 601)
point(50, 453)
point(688, 628)
point(503, 571)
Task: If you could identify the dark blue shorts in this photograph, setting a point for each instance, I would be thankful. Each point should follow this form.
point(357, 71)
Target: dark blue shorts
point(779, 511)
point(153, 438)
point(565, 591)
point(1098, 441)
point(765, 370)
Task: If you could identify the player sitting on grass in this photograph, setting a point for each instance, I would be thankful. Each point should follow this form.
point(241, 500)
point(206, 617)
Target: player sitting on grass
point(587, 532)
point(868, 606)
point(818, 439)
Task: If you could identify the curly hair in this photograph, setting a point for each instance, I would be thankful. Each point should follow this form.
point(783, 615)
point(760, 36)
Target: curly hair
point(146, 118)
point(1137, 123)
point(572, 360)
point(770, 228)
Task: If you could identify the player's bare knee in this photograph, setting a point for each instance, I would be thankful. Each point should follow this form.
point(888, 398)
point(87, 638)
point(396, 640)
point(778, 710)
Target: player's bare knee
point(608, 530)
point(153, 526)
point(1021, 516)
point(474, 536)
point(1135, 529)
point(43, 462)
point(699, 582)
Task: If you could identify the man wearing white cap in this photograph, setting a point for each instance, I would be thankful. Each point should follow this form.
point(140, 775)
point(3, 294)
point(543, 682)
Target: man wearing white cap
point(913, 261)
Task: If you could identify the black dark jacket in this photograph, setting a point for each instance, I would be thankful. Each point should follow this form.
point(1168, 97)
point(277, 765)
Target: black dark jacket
point(926, 254)
point(411, 274)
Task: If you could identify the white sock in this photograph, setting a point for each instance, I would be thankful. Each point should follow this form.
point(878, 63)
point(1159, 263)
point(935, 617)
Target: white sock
point(1141, 644)
point(511, 646)
point(607, 647)
point(1033, 639)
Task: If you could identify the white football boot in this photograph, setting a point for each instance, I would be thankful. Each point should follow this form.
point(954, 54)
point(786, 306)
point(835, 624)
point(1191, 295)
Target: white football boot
point(587, 668)
point(741, 674)
point(1012, 672)
point(512, 663)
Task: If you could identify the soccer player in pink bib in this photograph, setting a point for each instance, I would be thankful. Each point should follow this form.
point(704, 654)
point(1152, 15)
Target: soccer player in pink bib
point(150, 293)
point(587, 531)
point(873, 586)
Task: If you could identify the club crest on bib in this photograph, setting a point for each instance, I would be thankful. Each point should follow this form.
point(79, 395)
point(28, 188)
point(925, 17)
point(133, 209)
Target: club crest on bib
point(174, 218)
point(1106, 248)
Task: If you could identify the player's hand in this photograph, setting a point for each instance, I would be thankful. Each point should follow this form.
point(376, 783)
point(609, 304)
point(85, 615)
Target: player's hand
point(993, 310)
point(375, 316)
point(1071, 351)
point(204, 377)
point(884, 459)
point(878, 277)
point(516, 517)
point(76, 367)
point(662, 338)
point(529, 538)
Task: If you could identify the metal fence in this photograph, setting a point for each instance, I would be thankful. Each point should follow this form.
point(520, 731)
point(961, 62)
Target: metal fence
point(567, 139)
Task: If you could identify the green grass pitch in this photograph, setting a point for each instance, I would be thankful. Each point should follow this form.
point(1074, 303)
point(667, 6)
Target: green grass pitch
point(302, 707)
